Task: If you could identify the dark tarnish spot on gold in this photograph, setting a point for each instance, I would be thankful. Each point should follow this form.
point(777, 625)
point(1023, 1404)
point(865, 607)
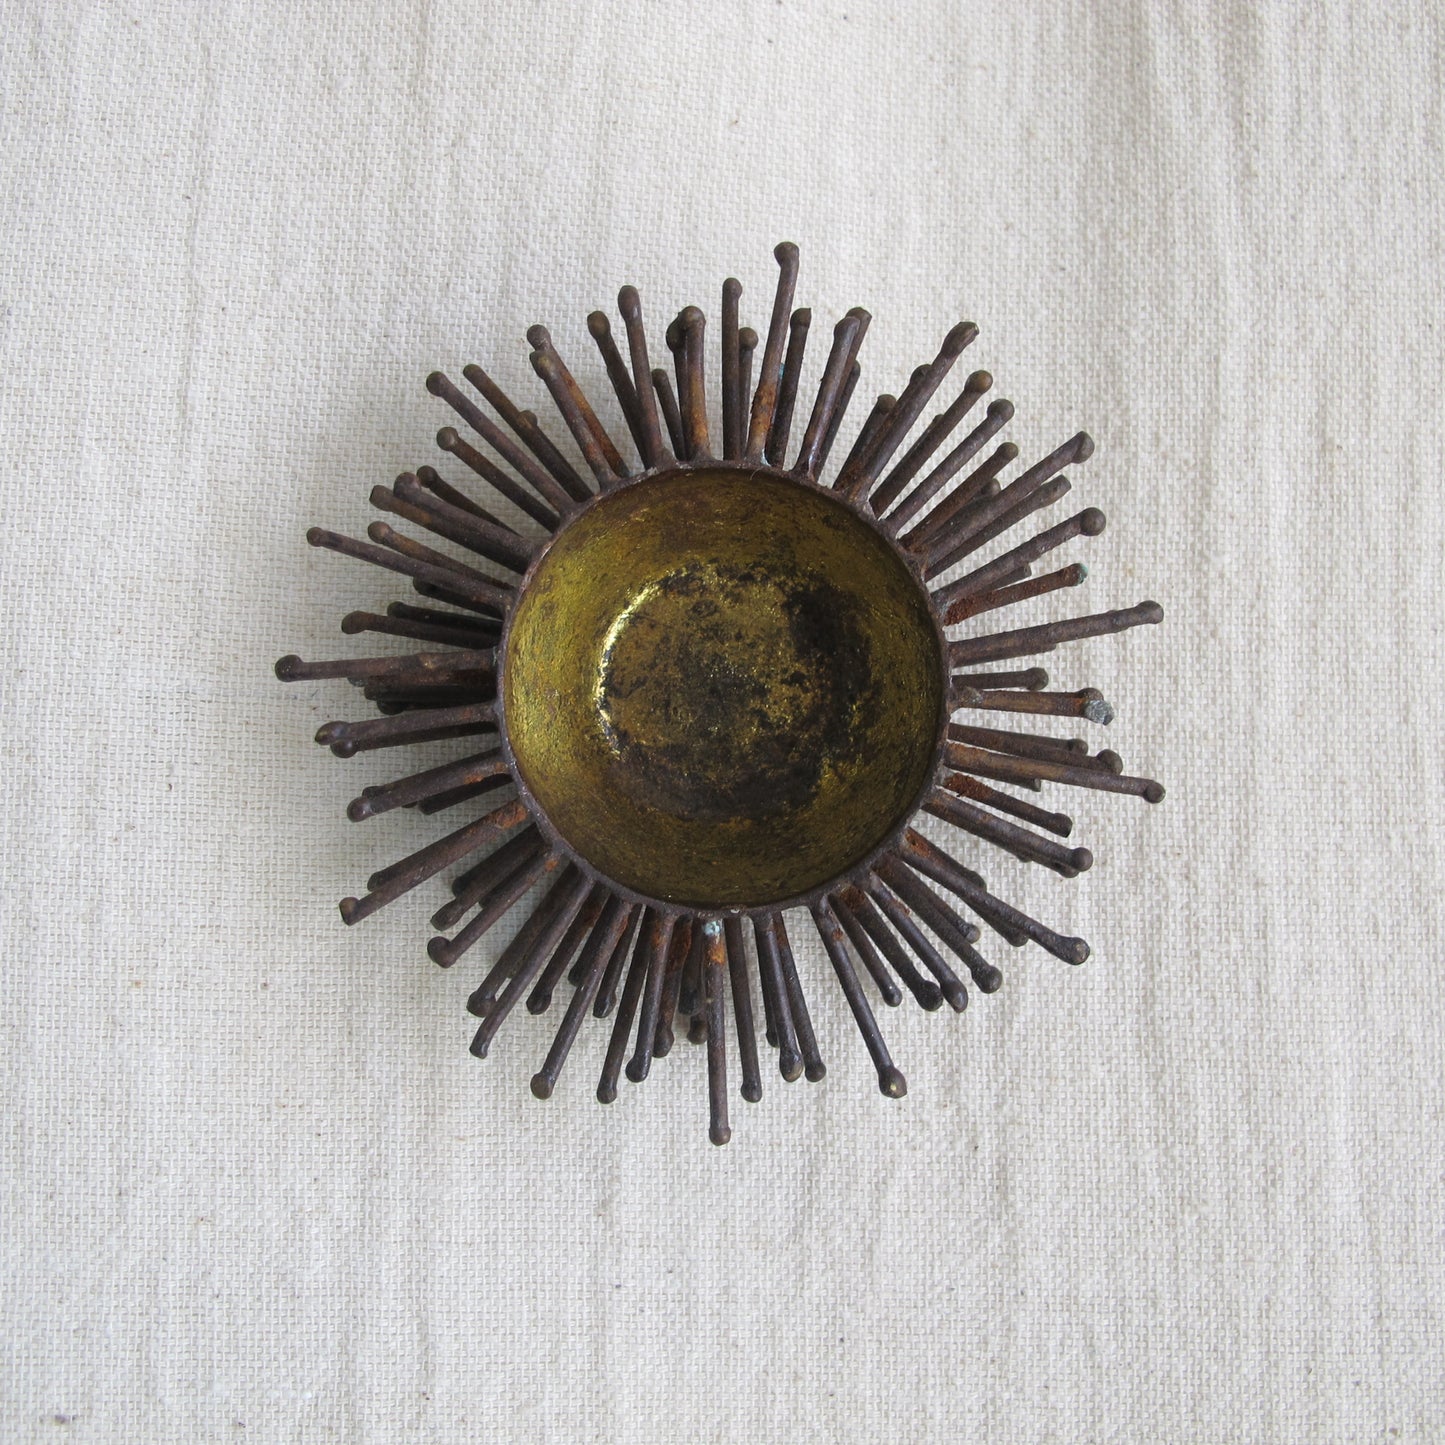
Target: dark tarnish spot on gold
point(754, 684)
point(729, 689)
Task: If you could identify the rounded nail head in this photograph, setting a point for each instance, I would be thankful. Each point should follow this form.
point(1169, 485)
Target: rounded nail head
point(959, 338)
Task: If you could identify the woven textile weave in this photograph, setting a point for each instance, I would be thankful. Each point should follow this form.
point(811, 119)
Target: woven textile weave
point(252, 1185)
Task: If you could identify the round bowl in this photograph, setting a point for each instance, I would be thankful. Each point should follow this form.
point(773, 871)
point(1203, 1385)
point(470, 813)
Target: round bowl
point(723, 687)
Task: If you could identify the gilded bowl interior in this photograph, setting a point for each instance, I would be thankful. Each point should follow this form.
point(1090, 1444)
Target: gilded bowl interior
point(722, 687)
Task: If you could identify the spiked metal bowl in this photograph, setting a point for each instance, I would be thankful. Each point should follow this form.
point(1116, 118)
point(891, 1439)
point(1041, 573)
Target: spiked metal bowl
point(716, 689)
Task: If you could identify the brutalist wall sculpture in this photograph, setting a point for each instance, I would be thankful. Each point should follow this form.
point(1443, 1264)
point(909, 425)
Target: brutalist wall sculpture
point(713, 689)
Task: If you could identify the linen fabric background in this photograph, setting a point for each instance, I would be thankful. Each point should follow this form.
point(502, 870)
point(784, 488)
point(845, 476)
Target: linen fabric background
point(254, 1185)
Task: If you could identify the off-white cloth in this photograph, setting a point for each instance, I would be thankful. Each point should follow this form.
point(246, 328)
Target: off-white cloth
point(254, 1185)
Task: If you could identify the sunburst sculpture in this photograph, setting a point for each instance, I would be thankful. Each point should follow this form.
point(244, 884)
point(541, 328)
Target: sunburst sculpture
point(712, 690)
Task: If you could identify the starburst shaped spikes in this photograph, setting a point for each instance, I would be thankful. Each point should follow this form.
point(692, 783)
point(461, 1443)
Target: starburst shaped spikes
point(708, 690)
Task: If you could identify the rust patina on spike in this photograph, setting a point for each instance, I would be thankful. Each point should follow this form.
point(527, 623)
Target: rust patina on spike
point(752, 1082)
point(522, 461)
point(788, 391)
point(918, 454)
point(413, 502)
point(529, 433)
point(856, 480)
point(432, 481)
point(654, 451)
point(608, 937)
point(835, 373)
point(765, 398)
point(597, 447)
point(703, 691)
